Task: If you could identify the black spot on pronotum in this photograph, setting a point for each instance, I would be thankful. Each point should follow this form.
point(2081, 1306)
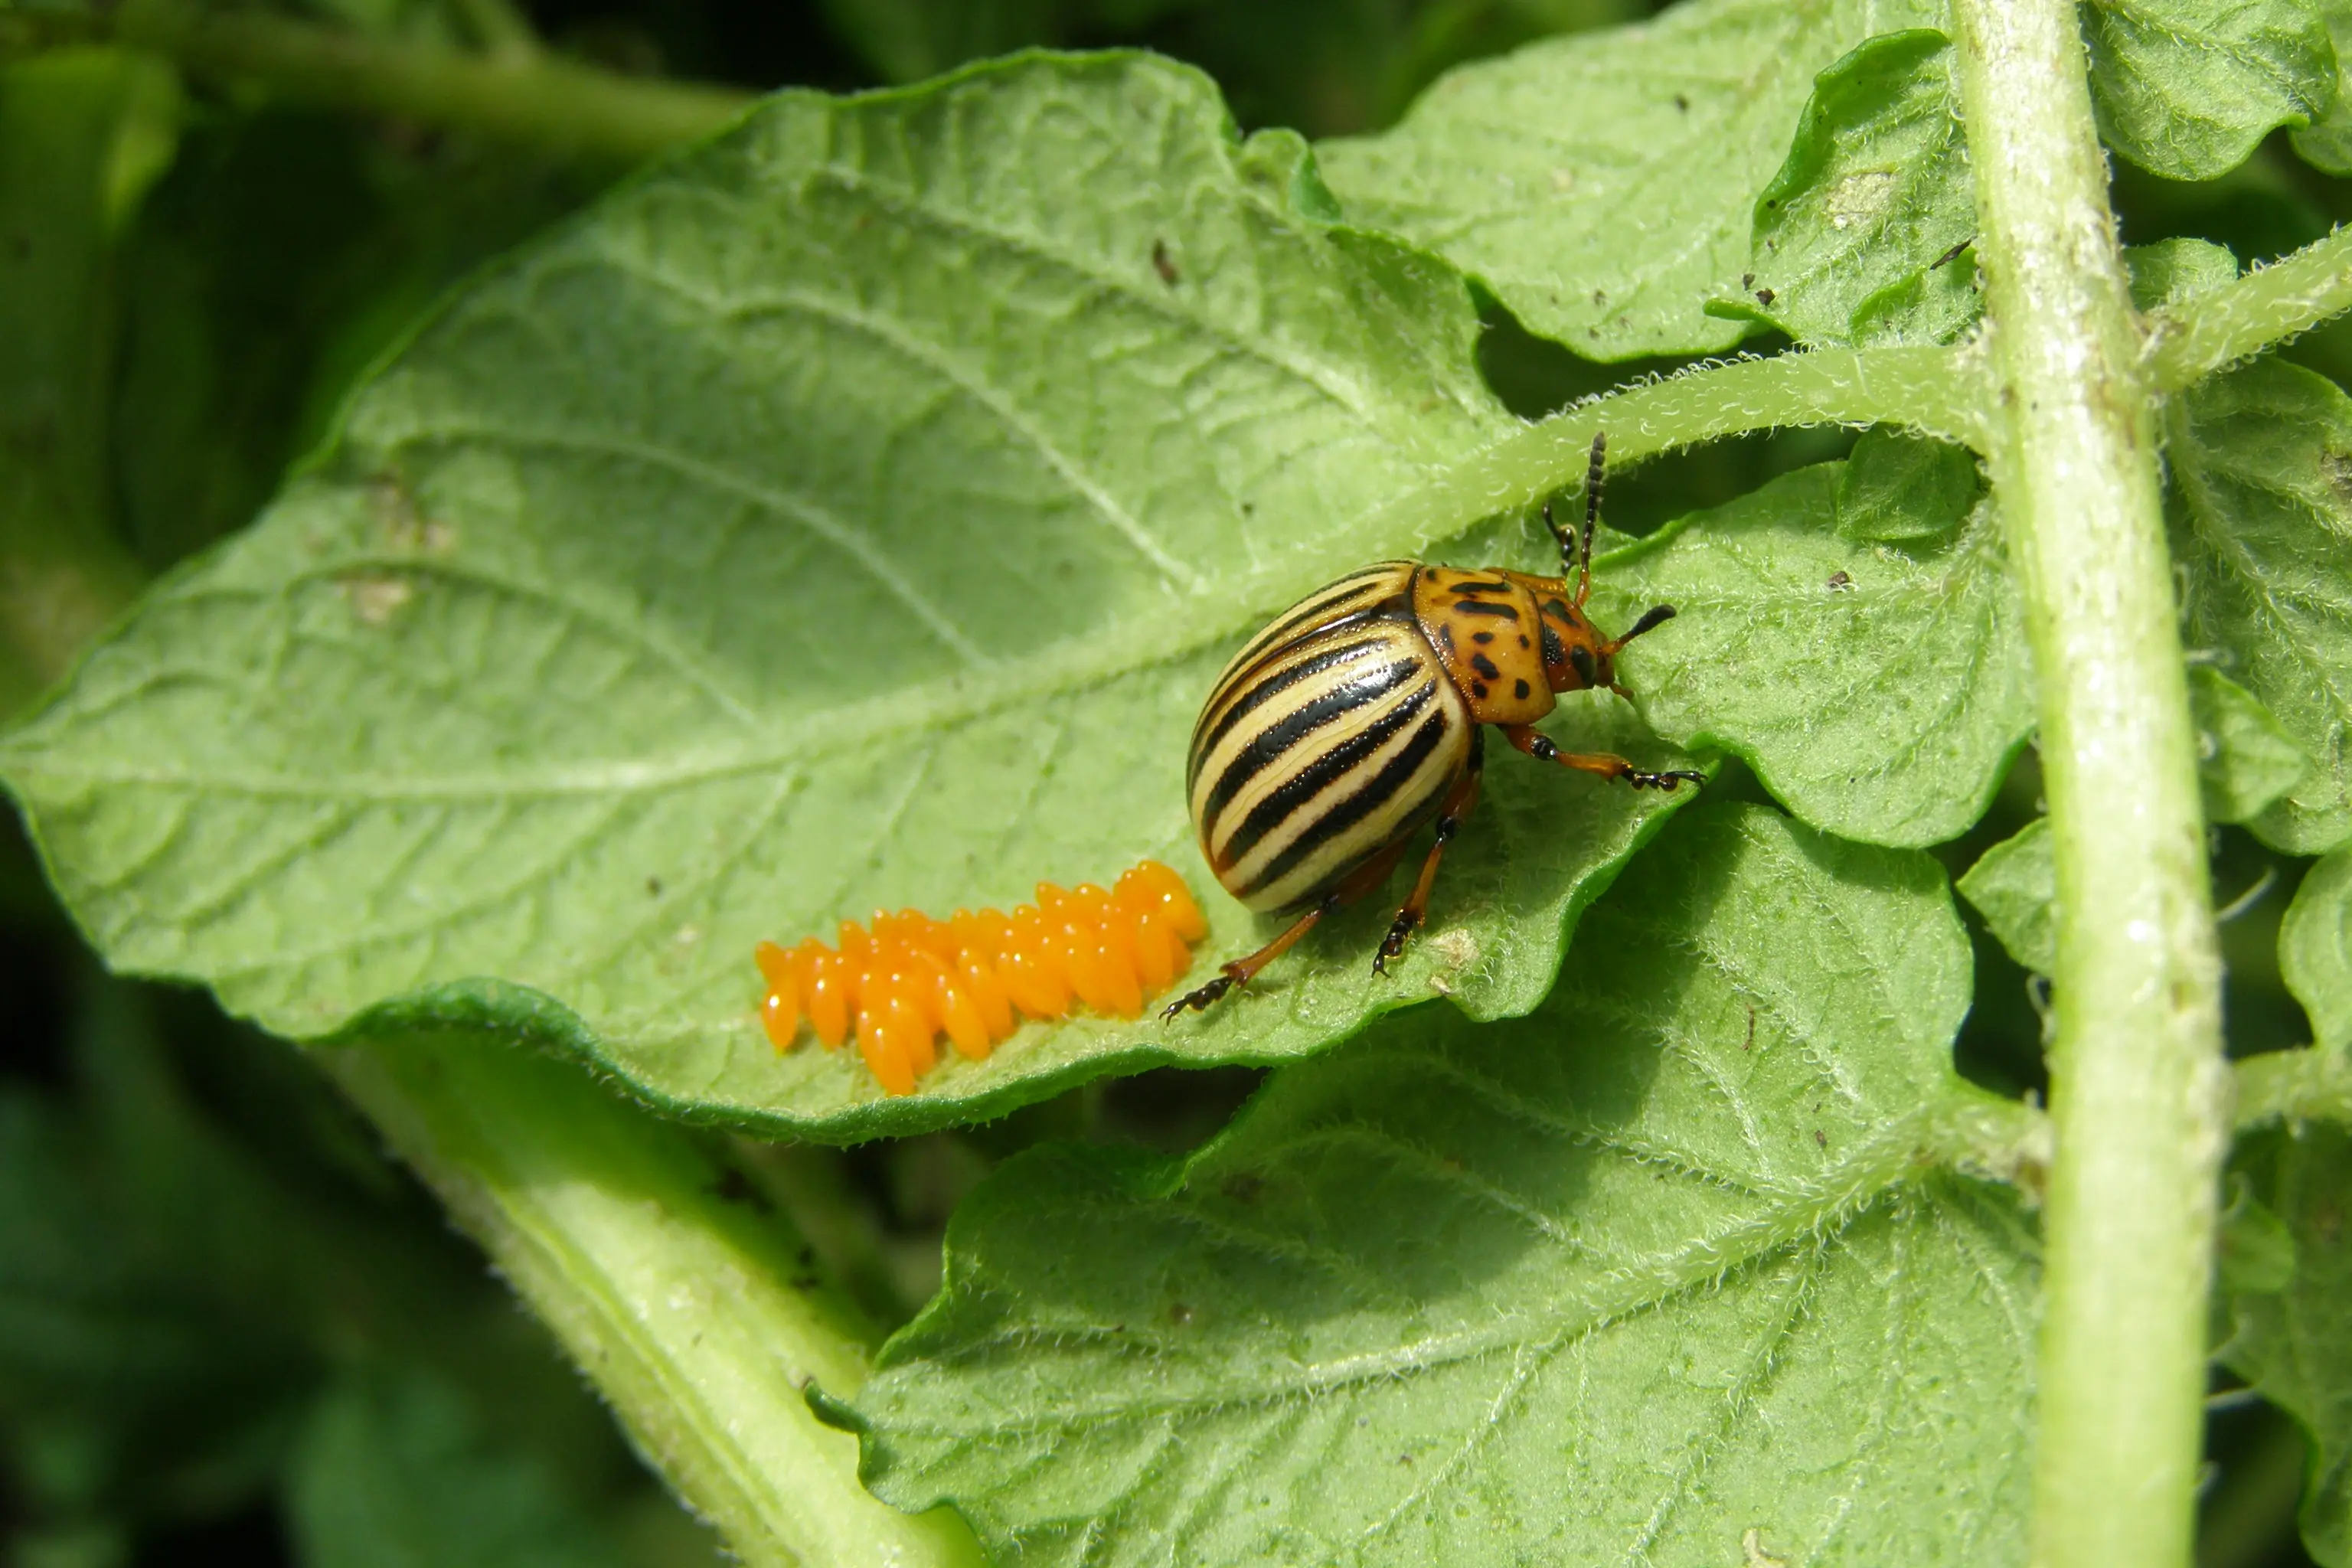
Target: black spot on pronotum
point(1486, 667)
point(1162, 264)
point(1554, 650)
point(1478, 607)
point(1582, 657)
point(1478, 689)
point(1482, 639)
point(1522, 688)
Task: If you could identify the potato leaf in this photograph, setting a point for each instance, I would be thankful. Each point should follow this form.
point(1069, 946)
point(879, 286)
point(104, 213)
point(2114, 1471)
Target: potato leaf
point(2326, 142)
point(1861, 237)
point(394, 1468)
point(2245, 761)
point(1602, 185)
point(1665, 1265)
point(1878, 692)
point(851, 514)
point(2188, 89)
point(2293, 1341)
point(2262, 518)
point(2316, 949)
point(2014, 886)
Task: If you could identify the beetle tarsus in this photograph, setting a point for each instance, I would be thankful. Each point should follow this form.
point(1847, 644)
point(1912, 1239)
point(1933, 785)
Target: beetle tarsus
point(1393, 944)
point(1669, 781)
point(1199, 1001)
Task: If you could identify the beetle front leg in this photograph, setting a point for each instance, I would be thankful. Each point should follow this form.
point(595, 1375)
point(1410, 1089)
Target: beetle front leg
point(1527, 738)
point(1242, 971)
point(1450, 816)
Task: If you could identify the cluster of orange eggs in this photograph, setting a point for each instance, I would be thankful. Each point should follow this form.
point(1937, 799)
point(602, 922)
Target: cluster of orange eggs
point(912, 978)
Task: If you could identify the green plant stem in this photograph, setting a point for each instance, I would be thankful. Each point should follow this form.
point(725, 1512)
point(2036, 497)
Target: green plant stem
point(530, 96)
point(2200, 335)
point(666, 1278)
point(1933, 390)
point(2138, 1087)
point(2312, 1082)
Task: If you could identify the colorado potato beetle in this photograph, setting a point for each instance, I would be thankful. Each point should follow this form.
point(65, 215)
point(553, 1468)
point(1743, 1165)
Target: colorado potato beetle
point(1357, 716)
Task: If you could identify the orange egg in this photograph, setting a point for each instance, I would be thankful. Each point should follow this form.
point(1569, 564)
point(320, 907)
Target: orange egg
point(828, 992)
point(881, 1041)
point(780, 1010)
point(912, 977)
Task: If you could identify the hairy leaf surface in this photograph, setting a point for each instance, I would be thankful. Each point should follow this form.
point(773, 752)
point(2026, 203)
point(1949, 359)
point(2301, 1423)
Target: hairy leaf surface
point(2014, 885)
point(1878, 692)
point(1602, 185)
point(2326, 142)
point(2294, 1343)
point(1903, 489)
point(2316, 949)
point(1859, 237)
point(2188, 89)
point(852, 515)
point(2262, 518)
point(1662, 1265)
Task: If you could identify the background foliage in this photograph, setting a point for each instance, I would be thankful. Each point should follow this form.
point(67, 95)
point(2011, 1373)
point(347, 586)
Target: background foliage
point(227, 1320)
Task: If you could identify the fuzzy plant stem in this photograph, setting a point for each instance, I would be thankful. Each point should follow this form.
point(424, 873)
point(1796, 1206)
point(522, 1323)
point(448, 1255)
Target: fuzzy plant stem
point(2139, 1092)
point(666, 1277)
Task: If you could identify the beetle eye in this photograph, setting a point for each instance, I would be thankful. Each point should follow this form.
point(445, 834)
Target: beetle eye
point(1587, 671)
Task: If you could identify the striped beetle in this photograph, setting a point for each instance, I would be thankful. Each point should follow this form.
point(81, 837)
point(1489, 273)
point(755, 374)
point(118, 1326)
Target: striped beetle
point(1355, 716)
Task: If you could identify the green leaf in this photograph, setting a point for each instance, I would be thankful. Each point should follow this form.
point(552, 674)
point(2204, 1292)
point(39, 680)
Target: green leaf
point(892, 573)
point(2171, 270)
point(1602, 185)
point(1902, 487)
point(1879, 692)
point(2316, 949)
point(1667, 1264)
point(2262, 519)
point(2326, 142)
point(2294, 1343)
point(394, 1469)
point(2188, 89)
point(2246, 760)
point(154, 1297)
point(2014, 885)
point(1857, 240)
point(280, 257)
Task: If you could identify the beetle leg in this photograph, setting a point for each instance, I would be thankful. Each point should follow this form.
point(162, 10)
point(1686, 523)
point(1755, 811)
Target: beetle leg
point(1242, 971)
point(1459, 801)
point(1540, 746)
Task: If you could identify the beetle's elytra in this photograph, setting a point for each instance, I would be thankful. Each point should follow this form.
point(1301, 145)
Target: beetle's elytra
point(1355, 717)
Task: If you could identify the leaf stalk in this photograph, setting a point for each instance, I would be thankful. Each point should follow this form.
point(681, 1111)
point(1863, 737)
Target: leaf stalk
point(2138, 1087)
point(666, 1278)
point(515, 92)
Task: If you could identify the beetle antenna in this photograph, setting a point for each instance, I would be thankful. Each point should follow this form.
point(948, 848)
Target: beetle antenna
point(1652, 619)
point(1567, 546)
point(1591, 515)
